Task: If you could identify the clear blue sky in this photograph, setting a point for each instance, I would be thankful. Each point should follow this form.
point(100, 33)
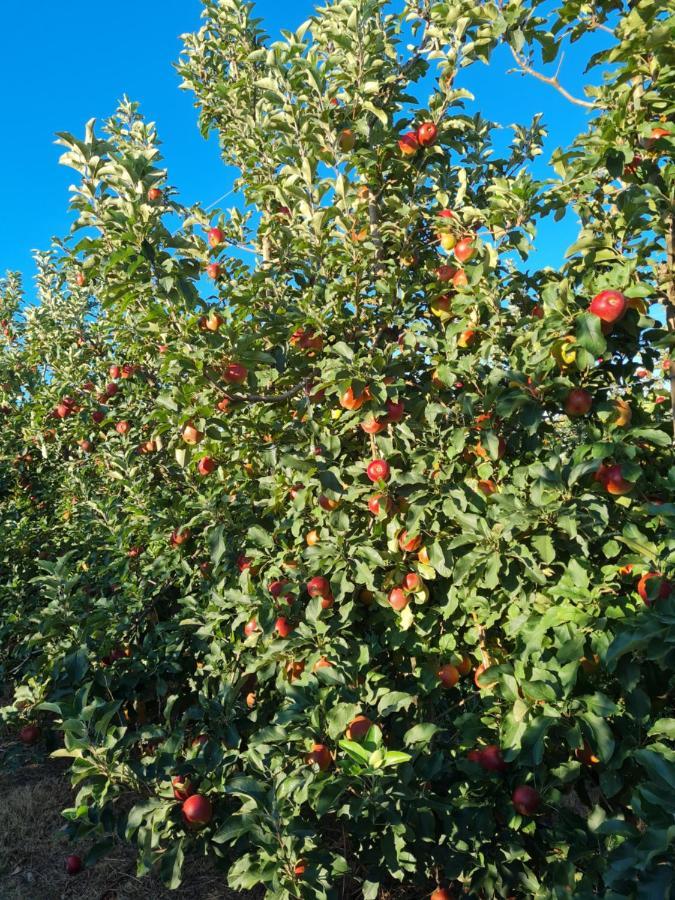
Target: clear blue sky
point(65, 62)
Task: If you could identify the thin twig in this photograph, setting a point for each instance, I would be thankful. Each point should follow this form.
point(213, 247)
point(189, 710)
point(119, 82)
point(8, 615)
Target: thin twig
point(528, 70)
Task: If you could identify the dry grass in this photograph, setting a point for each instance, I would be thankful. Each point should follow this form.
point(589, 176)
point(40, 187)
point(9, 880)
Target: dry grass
point(32, 852)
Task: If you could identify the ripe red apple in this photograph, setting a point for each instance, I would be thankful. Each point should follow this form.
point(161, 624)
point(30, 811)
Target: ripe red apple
point(192, 435)
point(526, 800)
point(610, 306)
point(398, 599)
point(427, 134)
point(114, 372)
point(320, 755)
point(98, 416)
point(206, 465)
point(328, 504)
point(465, 249)
point(154, 195)
point(373, 425)
point(378, 470)
point(409, 143)
point(197, 810)
point(491, 759)
point(615, 483)
point(300, 868)
point(276, 587)
point(408, 544)
point(487, 486)
point(358, 728)
point(442, 894)
point(235, 373)
point(283, 627)
point(250, 627)
point(375, 504)
point(445, 273)
point(319, 587)
point(213, 271)
point(412, 582)
point(73, 864)
point(80, 279)
point(216, 237)
point(663, 591)
point(578, 402)
point(180, 536)
point(111, 389)
point(395, 410)
point(350, 400)
point(537, 312)
point(123, 427)
point(448, 675)
point(29, 734)
point(182, 787)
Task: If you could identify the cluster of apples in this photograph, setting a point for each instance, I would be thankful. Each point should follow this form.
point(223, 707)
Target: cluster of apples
point(318, 586)
point(425, 135)
point(215, 237)
point(412, 588)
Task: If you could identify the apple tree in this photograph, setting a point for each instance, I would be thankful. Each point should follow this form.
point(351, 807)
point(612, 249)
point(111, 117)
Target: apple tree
point(339, 536)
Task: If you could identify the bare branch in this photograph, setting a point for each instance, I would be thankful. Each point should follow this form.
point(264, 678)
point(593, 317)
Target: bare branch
point(528, 70)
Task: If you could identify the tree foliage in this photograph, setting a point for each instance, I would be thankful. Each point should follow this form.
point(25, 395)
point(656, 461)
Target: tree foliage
point(203, 575)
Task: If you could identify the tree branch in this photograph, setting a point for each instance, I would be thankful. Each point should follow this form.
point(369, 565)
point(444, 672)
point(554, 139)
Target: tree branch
point(670, 309)
point(528, 70)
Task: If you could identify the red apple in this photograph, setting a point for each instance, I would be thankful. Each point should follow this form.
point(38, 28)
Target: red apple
point(206, 465)
point(663, 591)
point(615, 483)
point(358, 728)
point(327, 503)
point(526, 800)
point(123, 427)
point(372, 425)
point(378, 470)
point(491, 759)
point(578, 402)
point(610, 306)
point(197, 810)
point(375, 504)
point(408, 544)
point(73, 864)
point(182, 787)
point(80, 279)
point(250, 627)
point(398, 599)
point(180, 536)
point(448, 675)
point(154, 195)
point(235, 373)
point(318, 587)
point(409, 144)
point(395, 410)
point(427, 134)
point(192, 435)
point(111, 389)
point(442, 894)
point(98, 416)
point(445, 273)
point(283, 627)
point(320, 755)
point(114, 372)
point(29, 734)
point(465, 249)
point(216, 236)
point(213, 271)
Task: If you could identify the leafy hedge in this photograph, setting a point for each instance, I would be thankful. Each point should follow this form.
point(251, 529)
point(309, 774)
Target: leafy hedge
point(325, 522)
